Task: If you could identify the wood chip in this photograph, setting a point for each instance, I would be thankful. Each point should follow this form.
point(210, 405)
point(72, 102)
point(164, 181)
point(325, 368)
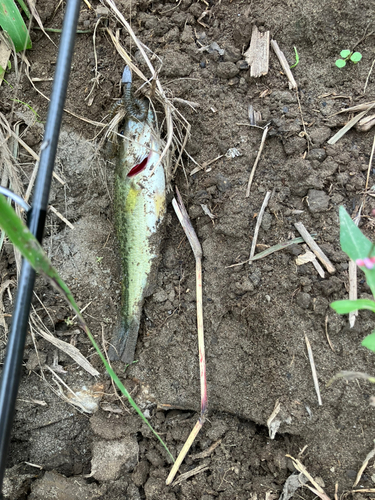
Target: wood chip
point(258, 54)
point(314, 247)
point(285, 65)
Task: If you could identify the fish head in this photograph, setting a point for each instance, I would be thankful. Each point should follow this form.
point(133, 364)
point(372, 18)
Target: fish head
point(140, 151)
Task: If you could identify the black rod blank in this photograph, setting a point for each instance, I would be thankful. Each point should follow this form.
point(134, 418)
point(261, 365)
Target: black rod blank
point(11, 373)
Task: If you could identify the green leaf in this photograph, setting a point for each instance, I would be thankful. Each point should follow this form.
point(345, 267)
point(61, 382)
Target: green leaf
point(356, 57)
point(11, 21)
point(369, 341)
point(347, 306)
point(31, 250)
point(297, 58)
point(340, 63)
point(345, 53)
point(24, 8)
point(356, 245)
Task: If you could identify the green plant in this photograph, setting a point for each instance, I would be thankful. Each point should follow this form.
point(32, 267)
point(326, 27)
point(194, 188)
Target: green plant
point(362, 251)
point(12, 23)
point(297, 59)
point(32, 251)
point(348, 55)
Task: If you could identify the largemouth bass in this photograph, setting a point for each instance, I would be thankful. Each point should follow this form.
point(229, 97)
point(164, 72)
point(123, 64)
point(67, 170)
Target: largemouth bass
point(139, 210)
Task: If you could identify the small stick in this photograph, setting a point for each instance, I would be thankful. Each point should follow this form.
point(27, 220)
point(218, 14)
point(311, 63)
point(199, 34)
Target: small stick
point(60, 216)
point(259, 221)
point(313, 370)
point(349, 125)
point(370, 164)
point(363, 467)
point(190, 473)
point(368, 76)
point(183, 217)
point(357, 107)
point(314, 247)
point(326, 329)
point(318, 267)
point(269, 251)
point(265, 131)
point(285, 65)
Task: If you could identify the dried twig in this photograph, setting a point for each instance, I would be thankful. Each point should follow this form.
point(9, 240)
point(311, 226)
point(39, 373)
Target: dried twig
point(326, 329)
point(183, 217)
point(349, 125)
point(285, 65)
point(190, 473)
point(265, 132)
point(368, 76)
point(313, 370)
point(60, 216)
point(257, 226)
point(314, 247)
point(301, 468)
point(363, 467)
point(271, 250)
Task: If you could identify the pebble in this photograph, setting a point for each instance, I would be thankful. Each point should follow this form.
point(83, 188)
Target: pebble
point(320, 135)
point(317, 200)
point(267, 221)
point(222, 183)
point(160, 295)
point(227, 70)
point(140, 473)
point(294, 145)
point(318, 154)
point(58, 487)
point(110, 459)
point(303, 300)
point(242, 64)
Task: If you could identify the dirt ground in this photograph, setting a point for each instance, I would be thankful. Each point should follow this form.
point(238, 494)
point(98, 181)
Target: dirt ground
point(255, 316)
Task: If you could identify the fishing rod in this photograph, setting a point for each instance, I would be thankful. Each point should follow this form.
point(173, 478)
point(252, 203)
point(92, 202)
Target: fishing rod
point(11, 374)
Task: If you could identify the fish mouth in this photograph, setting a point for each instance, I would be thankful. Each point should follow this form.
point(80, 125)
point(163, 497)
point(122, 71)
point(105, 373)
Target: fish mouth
point(139, 167)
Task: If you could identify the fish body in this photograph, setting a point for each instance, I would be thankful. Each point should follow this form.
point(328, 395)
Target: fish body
point(139, 211)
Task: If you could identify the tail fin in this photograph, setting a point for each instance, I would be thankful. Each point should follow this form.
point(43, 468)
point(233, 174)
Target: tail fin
point(124, 342)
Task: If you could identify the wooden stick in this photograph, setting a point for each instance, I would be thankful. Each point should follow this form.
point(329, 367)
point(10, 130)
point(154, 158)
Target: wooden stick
point(259, 221)
point(60, 216)
point(314, 247)
point(184, 219)
point(285, 65)
point(265, 131)
point(313, 370)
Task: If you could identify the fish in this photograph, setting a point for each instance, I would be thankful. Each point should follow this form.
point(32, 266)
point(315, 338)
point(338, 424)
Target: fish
point(140, 207)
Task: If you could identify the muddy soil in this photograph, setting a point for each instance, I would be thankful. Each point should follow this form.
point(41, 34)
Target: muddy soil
point(256, 316)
